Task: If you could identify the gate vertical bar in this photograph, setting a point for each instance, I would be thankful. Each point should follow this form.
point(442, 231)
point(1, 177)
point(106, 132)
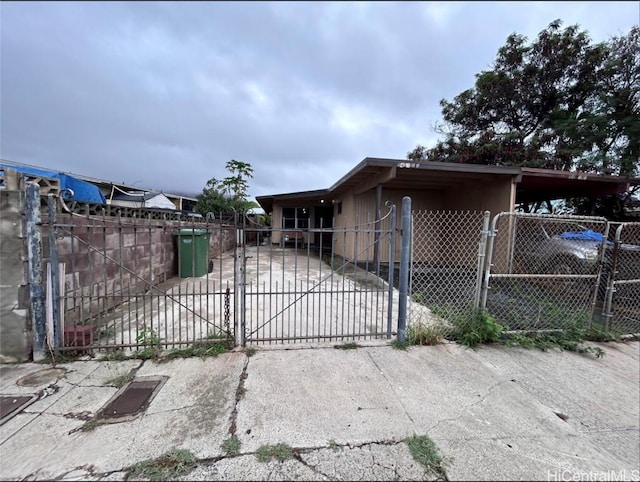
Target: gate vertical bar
point(611, 285)
point(34, 250)
point(482, 249)
point(392, 265)
point(239, 287)
point(53, 261)
point(376, 233)
point(404, 267)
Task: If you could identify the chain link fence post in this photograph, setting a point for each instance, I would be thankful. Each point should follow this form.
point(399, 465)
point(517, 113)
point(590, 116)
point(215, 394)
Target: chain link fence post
point(482, 249)
point(404, 268)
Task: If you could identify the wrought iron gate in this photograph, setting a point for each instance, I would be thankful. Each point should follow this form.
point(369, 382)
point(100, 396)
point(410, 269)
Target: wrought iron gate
point(119, 283)
point(316, 284)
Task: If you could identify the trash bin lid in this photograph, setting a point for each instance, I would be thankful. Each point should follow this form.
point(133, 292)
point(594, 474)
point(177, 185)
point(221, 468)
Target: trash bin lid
point(191, 232)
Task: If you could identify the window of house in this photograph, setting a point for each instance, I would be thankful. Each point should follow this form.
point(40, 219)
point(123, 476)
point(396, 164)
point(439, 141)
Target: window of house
point(295, 218)
point(340, 208)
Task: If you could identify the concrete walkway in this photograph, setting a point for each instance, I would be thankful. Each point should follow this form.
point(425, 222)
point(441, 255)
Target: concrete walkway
point(495, 413)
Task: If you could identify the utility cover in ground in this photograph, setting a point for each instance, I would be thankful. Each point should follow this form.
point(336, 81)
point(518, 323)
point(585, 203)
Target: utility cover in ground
point(12, 405)
point(133, 399)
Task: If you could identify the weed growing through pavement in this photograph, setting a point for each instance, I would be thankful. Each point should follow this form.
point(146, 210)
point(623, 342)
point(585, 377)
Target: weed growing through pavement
point(400, 345)
point(347, 346)
point(121, 380)
point(425, 452)
point(475, 328)
point(166, 467)
point(279, 452)
point(333, 445)
point(89, 425)
point(199, 349)
point(231, 446)
point(423, 334)
point(151, 343)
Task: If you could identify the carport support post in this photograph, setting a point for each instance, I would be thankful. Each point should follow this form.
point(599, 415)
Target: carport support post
point(34, 250)
point(404, 268)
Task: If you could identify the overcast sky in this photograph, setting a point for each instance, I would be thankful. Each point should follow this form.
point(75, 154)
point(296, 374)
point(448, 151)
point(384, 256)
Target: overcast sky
point(162, 95)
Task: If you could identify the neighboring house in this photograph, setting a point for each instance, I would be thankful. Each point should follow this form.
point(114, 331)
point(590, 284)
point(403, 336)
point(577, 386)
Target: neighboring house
point(53, 182)
point(138, 199)
point(101, 191)
point(359, 197)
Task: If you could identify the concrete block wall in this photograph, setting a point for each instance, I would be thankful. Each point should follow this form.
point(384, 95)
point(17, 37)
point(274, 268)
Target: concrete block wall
point(106, 259)
point(14, 293)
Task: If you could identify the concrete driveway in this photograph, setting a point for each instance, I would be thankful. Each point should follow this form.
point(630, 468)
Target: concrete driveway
point(495, 413)
point(290, 296)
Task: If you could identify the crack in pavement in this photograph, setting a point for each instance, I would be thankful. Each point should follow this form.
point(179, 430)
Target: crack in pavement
point(313, 468)
point(298, 452)
point(240, 391)
point(404, 408)
point(467, 407)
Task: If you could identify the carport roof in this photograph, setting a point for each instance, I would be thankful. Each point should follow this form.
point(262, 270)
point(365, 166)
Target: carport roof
point(532, 184)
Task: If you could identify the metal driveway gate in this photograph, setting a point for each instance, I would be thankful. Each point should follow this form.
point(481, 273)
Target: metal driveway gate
point(315, 284)
point(117, 286)
point(543, 271)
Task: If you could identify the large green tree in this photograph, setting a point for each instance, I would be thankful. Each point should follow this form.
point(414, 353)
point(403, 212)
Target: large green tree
point(229, 194)
point(558, 102)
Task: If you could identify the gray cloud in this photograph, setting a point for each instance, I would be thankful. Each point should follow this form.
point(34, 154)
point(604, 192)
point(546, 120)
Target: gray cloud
point(166, 93)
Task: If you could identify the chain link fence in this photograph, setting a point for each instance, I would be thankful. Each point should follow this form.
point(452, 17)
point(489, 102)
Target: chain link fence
point(622, 300)
point(446, 264)
point(544, 271)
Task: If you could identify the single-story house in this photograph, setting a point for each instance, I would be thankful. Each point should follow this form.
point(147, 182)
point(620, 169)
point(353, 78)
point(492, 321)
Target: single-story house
point(358, 198)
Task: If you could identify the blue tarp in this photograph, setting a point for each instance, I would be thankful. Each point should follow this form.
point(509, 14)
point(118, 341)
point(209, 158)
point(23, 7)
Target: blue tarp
point(83, 191)
point(586, 235)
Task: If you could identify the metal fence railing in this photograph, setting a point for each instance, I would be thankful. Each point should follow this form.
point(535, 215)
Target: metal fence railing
point(622, 302)
point(544, 270)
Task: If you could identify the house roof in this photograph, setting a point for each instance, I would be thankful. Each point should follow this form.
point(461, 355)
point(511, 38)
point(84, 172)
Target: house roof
point(532, 184)
point(98, 182)
point(136, 197)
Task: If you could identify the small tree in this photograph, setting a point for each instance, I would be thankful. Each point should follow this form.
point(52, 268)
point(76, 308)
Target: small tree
point(228, 194)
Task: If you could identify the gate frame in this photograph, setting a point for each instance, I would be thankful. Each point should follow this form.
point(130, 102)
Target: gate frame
point(243, 333)
point(490, 253)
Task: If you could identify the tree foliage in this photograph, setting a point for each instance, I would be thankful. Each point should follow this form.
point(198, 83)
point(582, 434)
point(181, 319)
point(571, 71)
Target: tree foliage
point(228, 194)
point(558, 102)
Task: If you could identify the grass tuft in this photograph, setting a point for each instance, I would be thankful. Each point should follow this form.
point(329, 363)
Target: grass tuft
point(279, 452)
point(166, 467)
point(425, 452)
point(231, 446)
point(347, 346)
point(121, 380)
point(423, 334)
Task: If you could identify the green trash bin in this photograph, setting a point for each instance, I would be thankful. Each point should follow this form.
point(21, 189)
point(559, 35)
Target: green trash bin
point(193, 252)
